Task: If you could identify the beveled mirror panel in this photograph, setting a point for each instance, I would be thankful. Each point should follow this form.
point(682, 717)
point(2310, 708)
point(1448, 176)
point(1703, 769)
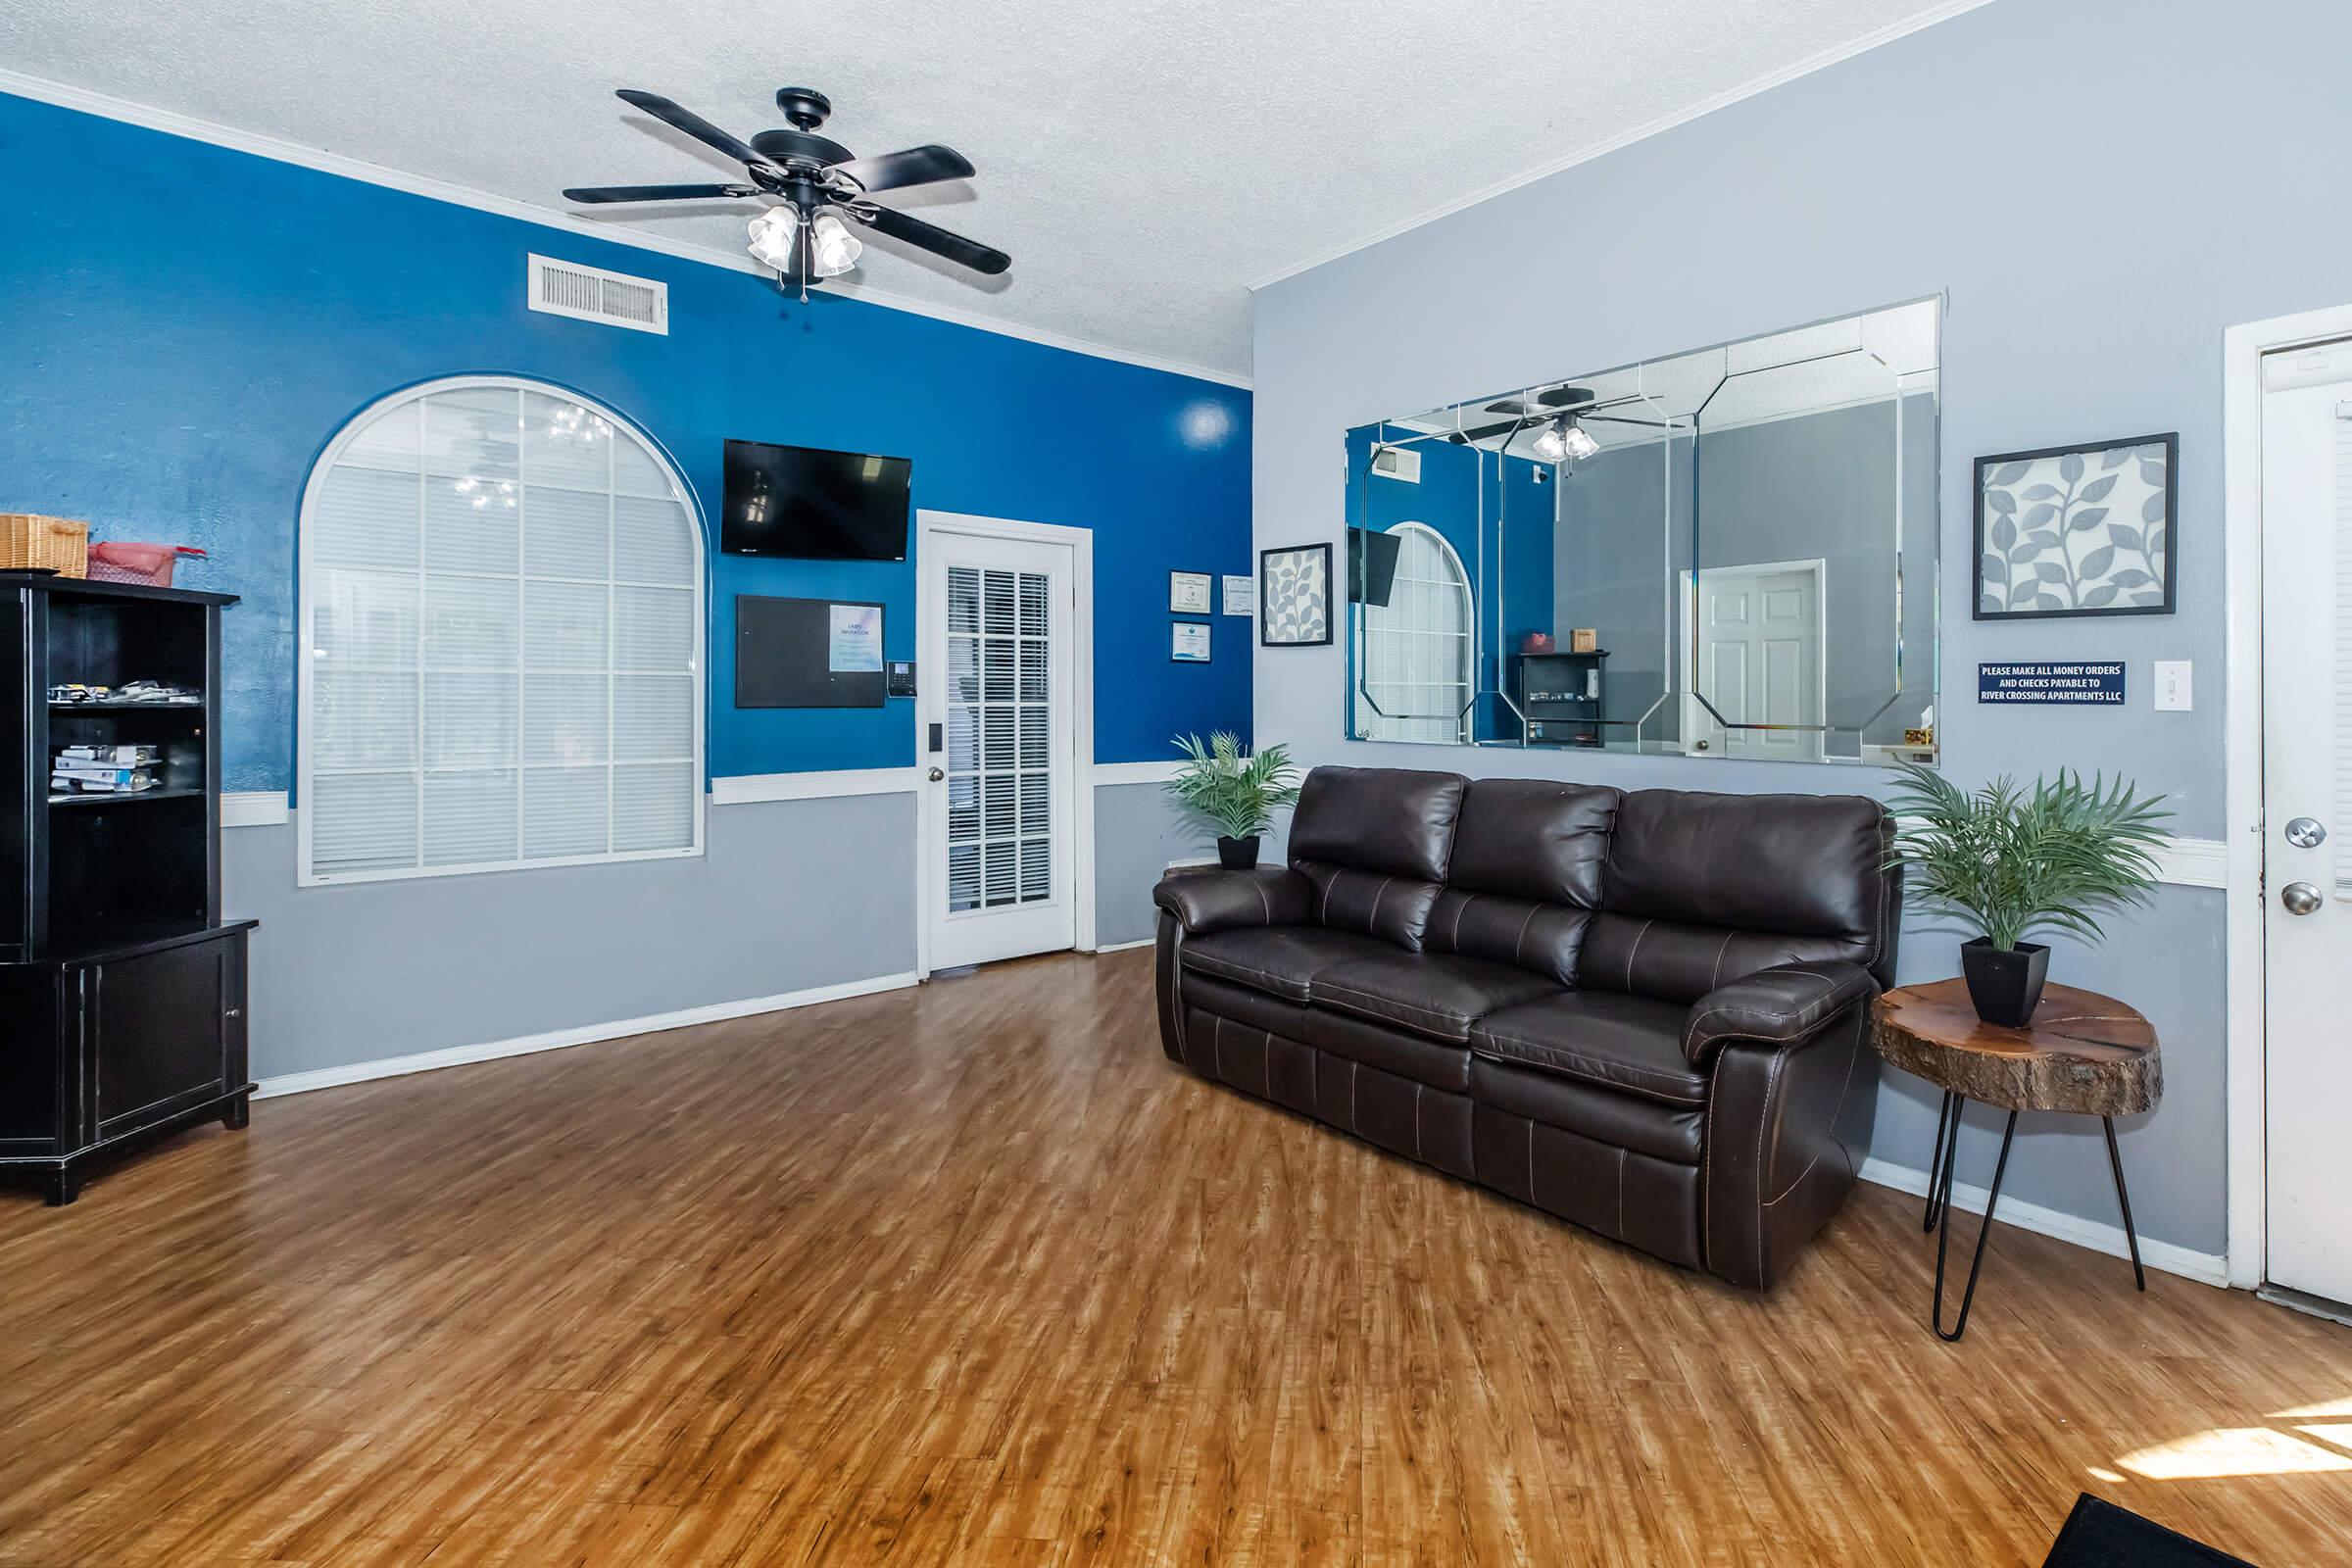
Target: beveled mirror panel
point(1725, 553)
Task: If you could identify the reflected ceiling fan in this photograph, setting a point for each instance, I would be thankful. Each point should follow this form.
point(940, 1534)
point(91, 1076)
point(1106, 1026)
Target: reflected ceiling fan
point(1564, 434)
point(813, 184)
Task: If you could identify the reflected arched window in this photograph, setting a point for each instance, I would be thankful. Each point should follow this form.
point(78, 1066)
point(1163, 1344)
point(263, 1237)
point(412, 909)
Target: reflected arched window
point(501, 638)
point(1419, 651)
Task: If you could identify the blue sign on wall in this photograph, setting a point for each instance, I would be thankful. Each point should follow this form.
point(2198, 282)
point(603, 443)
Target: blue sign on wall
point(2077, 682)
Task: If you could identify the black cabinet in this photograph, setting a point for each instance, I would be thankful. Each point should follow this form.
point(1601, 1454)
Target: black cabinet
point(1561, 697)
point(122, 988)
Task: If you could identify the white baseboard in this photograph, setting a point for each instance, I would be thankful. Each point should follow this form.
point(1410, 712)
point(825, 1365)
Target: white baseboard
point(1122, 947)
point(296, 1083)
point(2206, 1269)
point(254, 808)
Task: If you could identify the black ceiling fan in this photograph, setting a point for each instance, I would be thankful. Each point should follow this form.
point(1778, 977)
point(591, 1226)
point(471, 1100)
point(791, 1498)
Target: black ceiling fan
point(814, 182)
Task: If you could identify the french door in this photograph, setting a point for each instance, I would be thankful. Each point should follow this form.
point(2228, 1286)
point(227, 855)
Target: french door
point(2307, 811)
point(998, 759)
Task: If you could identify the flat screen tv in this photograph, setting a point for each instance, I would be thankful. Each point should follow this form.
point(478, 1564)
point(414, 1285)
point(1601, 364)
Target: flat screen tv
point(813, 505)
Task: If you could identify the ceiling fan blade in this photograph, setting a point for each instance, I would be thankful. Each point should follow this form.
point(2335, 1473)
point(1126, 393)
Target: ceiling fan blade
point(931, 237)
point(655, 193)
point(915, 165)
point(693, 124)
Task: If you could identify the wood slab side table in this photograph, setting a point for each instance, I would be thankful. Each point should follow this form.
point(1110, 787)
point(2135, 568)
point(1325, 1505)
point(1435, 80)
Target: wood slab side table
point(2081, 1052)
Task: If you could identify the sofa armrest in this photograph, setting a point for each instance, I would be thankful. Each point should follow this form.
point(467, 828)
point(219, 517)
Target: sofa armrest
point(1222, 900)
point(1785, 1003)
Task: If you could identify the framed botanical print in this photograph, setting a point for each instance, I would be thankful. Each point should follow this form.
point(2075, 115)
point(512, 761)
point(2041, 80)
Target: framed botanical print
point(1293, 596)
point(2081, 530)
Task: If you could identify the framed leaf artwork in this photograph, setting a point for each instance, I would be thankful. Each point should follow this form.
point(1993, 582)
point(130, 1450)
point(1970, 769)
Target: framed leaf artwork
point(2084, 530)
point(1294, 596)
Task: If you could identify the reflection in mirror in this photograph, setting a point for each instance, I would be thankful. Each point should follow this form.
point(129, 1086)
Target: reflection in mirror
point(1729, 553)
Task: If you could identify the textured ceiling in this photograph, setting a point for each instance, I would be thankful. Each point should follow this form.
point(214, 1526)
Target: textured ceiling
point(1142, 162)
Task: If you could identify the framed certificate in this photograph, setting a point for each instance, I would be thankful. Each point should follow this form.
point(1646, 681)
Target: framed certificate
point(1189, 642)
point(1188, 593)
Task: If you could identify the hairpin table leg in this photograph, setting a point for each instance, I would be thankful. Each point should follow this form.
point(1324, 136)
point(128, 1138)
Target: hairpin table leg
point(1943, 1232)
point(2115, 1159)
point(1947, 1135)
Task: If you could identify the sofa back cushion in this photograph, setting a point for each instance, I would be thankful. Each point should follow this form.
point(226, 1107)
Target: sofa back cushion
point(1528, 860)
point(1376, 841)
point(1703, 889)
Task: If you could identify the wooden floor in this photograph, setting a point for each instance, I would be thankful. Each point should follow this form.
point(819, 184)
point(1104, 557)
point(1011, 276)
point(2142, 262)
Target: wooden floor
point(970, 1274)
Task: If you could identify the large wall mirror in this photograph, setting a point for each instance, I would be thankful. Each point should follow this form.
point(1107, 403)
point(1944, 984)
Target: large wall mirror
point(1745, 536)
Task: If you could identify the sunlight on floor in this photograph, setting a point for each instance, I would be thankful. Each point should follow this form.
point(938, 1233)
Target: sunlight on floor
point(2232, 1452)
point(2314, 1413)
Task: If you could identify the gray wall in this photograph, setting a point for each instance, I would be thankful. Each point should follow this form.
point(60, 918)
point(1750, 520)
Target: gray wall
point(2103, 189)
point(1138, 834)
point(790, 894)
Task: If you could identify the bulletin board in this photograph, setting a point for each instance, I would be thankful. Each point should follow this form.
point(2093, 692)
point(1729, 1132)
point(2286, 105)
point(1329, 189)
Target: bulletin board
point(807, 653)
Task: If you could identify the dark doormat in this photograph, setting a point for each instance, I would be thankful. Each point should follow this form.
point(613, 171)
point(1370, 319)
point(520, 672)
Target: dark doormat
point(2099, 1534)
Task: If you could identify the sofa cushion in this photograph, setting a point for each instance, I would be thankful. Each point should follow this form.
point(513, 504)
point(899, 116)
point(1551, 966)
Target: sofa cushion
point(1393, 820)
point(1432, 994)
point(1703, 889)
point(1630, 1044)
point(1606, 1115)
point(1527, 874)
point(1374, 903)
point(1441, 1065)
point(1280, 959)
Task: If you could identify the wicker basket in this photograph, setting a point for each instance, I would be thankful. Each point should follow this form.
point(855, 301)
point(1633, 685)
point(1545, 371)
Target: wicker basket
point(29, 541)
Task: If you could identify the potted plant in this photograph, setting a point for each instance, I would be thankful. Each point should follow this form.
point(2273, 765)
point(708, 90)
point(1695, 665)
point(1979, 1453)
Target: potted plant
point(1236, 791)
point(2014, 861)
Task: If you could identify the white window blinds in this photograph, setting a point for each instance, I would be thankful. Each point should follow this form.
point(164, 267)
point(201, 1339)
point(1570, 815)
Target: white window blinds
point(1417, 648)
point(503, 629)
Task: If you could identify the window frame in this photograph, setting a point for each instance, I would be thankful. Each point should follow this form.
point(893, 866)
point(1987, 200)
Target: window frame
point(1468, 684)
point(306, 604)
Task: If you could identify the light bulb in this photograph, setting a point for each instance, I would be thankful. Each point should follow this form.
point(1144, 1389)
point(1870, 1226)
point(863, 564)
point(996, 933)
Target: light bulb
point(772, 234)
point(1549, 445)
point(1577, 441)
point(835, 246)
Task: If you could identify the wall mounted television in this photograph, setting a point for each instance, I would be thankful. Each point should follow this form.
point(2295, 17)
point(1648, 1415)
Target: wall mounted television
point(813, 505)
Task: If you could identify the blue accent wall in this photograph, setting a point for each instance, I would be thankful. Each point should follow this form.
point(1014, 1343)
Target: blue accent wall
point(175, 382)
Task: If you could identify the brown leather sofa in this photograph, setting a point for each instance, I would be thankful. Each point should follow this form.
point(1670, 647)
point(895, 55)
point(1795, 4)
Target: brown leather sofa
point(1640, 1011)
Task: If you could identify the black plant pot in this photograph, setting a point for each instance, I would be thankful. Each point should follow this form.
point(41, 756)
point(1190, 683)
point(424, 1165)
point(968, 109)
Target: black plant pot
point(1238, 855)
point(2005, 982)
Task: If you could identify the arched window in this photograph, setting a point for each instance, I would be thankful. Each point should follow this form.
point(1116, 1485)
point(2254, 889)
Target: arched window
point(1418, 647)
point(501, 639)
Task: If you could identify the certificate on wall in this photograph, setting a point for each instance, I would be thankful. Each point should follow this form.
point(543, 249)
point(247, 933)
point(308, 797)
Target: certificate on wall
point(1187, 592)
point(856, 643)
point(1241, 596)
point(1190, 642)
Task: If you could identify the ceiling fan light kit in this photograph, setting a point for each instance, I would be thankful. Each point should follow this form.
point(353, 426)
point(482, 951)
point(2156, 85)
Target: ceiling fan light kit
point(816, 189)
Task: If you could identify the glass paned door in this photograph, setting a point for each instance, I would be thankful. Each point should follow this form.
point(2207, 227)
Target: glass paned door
point(997, 627)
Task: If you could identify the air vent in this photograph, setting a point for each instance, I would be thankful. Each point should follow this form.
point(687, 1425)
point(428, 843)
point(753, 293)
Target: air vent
point(1396, 463)
point(590, 294)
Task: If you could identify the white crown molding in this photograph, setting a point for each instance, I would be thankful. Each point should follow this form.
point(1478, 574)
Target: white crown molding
point(277, 150)
point(1102, 774)
point(296, 1083)
point(1601, 149)
point(742, 789)
point(2206, 1269)
point(254, 808)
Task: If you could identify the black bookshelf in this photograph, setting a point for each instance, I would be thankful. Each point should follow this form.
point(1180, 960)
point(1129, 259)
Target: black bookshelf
point(122, 988)
point(1559, 696)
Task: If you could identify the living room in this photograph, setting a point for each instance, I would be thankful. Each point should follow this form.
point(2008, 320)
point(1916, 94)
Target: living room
point(736, 848)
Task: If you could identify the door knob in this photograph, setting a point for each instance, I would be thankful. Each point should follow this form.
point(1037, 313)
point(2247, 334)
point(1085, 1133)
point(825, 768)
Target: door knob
point(937, 775)
point(2300, 898)
point(2306, 833)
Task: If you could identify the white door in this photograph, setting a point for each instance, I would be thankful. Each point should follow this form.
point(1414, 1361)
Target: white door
point(997, 627)
point(1759, 653)
point(2307, 812)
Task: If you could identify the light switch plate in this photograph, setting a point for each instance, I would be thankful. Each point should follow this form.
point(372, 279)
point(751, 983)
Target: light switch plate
point(2171, 686)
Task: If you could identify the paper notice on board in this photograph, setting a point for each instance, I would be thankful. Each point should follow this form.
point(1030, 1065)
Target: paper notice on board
point(856, 645)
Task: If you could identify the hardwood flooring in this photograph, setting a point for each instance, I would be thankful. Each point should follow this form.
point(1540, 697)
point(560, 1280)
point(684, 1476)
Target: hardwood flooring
point(970, 1274)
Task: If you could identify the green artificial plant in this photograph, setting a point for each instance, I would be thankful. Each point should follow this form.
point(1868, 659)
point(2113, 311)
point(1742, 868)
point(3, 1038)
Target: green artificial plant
point(2014, 861)
point(1237, 792)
